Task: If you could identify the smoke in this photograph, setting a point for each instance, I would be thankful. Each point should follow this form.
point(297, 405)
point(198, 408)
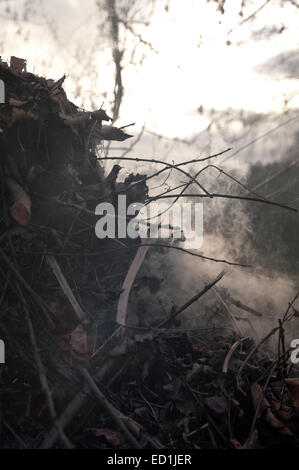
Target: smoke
point(240, 232)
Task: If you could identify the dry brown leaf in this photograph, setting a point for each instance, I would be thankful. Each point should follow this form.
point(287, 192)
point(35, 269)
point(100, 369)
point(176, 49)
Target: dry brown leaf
point(20, 213)
point(173, 387)
point(196, 369)
point(17, 65)
point(17, 103)
point(293, 389)
point(217, 404)
point(271, 418)
point(110, 436)
point(283, 412)
point(259, 400)
point(19, 114)
point(79, 341)
point(20, 208)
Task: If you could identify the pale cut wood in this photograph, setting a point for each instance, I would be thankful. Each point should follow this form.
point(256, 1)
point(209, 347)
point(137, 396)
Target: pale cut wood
point(128, 282)
point(65, 287)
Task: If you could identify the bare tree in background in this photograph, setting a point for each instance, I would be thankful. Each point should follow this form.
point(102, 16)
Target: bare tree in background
point(120, 24)
point(122, 15)
point(117, 54)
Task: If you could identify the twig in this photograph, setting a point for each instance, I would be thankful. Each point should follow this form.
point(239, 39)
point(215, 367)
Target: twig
point(111, 410)
point(43, 378)
point(66, 288)
point(228, 311)
point(259, 404)
point(73, 409)
point(250, 17)
point(282, 349)
point(15, 435)
point(134, 142)
point(106, 342)
point(238, 182)
point(207, 258)
point(256, 348)
point(127, 125)
point(168, 165)
point(262, 136)
point(239, 304)
point(230, 353)
point(161, 245)
point(294, 3)
point(68, 414)
point(191, 301)
point(117, 56)
point(197, 174)
point(225, 196)
point(207, 414)
point(285, 317)
point(274, 175)
point(138, 36)
point(22, 281)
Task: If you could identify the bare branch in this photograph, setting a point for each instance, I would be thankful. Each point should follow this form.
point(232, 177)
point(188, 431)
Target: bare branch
point(191, 301)
point(117, 55)
point(250, 17)
point(225, 196)
point(111, 410)
point(138, 36)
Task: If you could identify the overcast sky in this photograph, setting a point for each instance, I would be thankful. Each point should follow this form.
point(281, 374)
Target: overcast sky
point(195, 65)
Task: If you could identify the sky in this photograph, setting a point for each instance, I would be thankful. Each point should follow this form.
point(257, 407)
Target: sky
point(194, 66)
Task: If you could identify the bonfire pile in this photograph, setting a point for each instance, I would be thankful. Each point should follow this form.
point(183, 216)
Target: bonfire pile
point(64, 295)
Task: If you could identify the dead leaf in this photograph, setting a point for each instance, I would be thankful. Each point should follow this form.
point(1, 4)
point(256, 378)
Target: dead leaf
point(110, 436)
point(20, 208)
point(17, 103)
point(276, 423)
point(282, 411)
point(184, 424)
point(64, 318)
point(293, 389)
point(173, 387)
point(259, 400)
point(79, 341)
point(196, 369)
point(142, 413)
point(217, 404)
point(17, 65)
point(19, 114)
